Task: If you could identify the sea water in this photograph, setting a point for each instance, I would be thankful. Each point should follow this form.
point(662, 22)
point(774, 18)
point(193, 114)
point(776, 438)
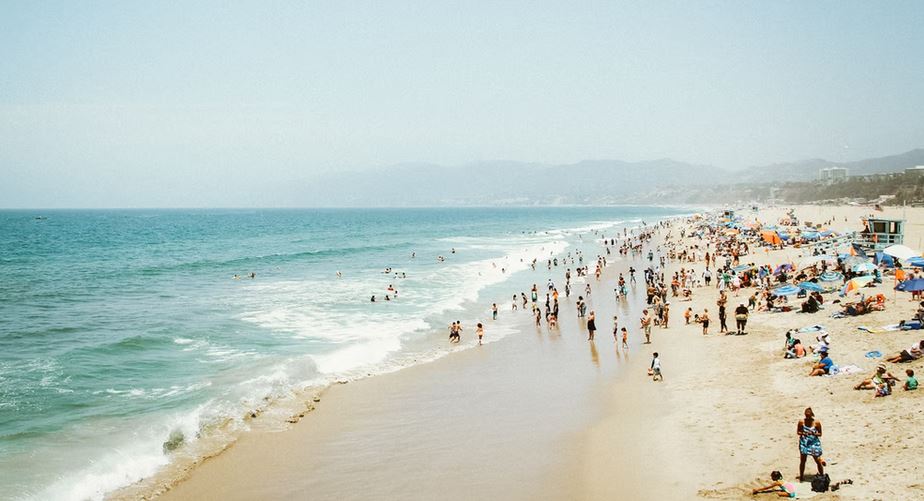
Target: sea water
point(127, 336)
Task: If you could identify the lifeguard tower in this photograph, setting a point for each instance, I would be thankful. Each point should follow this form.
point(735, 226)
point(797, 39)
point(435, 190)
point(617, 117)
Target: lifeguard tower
point(880, 233)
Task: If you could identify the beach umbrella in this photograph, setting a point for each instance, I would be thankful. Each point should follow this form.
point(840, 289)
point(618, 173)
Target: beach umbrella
point(811, 287)
point(881, 258)
point(771, 237)
point(864, 267)
point(851, 261)
point(854, 284)
point(830, 276)
point(781, 268)
point(913, 285)
point(901, 252)
point(786, 290)
point(917, 262)
point(742, 267)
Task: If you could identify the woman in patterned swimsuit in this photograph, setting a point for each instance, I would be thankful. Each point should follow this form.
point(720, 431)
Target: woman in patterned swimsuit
point(809, 431)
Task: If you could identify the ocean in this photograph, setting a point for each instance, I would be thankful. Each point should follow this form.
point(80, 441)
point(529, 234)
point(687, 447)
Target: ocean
point(131, 339)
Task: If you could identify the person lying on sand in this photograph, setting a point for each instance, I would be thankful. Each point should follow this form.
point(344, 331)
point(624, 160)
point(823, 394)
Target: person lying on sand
point(912, 353)
point(782, 489)
point(882, 376)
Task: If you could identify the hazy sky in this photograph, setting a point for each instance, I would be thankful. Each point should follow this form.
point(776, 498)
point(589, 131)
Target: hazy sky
point(196, 103)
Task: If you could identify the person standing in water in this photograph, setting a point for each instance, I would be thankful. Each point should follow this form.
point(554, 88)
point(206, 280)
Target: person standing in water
point(615, 329)
point(591, 326)
point(646, 325)
point(494, 311)
point(480, 331)
point(625, 338)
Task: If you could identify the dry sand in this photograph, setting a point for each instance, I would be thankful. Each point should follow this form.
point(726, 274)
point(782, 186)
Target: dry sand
point(543, 415)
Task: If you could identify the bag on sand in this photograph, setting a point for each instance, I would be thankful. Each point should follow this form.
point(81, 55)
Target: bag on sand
point(821, 483)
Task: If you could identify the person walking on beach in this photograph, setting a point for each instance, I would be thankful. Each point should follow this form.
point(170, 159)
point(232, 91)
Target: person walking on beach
point(591, 326)
point(480, 331)
point(646, 325)
point(615, 329)
point(741, 318)
point(809, 432)
point(656, 368)
point(494, 311)
point(625, 338)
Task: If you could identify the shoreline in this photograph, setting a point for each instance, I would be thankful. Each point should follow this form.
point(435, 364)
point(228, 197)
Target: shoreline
point(305, 404)
point(710, 430)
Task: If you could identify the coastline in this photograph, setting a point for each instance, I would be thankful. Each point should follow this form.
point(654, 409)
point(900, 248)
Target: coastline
point(722, 419)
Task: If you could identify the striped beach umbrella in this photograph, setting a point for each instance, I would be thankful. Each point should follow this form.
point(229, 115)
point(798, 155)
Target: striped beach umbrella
point(786, 290)
point(811, 287)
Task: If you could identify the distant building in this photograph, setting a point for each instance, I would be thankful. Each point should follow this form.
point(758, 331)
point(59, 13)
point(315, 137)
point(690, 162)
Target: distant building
point(832, 174)
point(915, 171)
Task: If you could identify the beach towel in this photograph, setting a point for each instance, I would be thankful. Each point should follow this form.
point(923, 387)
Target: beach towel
point(812, 328)
point(880, 330)
point(850, 369)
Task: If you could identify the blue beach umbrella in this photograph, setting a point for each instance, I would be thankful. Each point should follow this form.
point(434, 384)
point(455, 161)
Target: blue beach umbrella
point(786, 290)
point(914, 285)
point(811, 287)
point(742, 267)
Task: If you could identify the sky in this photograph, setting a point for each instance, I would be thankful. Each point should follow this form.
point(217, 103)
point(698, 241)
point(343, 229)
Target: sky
point(125, 104)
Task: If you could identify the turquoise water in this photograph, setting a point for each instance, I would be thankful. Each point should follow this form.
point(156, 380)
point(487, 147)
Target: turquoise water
point(122, 330)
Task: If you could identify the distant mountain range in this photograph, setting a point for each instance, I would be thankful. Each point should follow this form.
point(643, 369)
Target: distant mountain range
point(807, 170)
point(585, 182)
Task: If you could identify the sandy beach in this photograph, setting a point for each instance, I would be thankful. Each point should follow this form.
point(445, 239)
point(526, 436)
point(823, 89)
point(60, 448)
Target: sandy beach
point(549, 415)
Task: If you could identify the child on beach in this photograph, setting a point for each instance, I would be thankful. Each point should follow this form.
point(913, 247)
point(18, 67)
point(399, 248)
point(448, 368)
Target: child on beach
point(783, 490)
point(911, 383)
point(704, 319)
point(480, 331)
point(656, 368)
point(625, 338)
point(687, 314)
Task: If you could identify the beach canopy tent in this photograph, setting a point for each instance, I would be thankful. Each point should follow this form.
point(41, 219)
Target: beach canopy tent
point(786, 290)
point(864, 267)
point(811, 235)
point(913, 285)
point(882, 258)
point(854, 284)
point(771, 237)
point(811, 287)
point(830, 276)
point(901, 252)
